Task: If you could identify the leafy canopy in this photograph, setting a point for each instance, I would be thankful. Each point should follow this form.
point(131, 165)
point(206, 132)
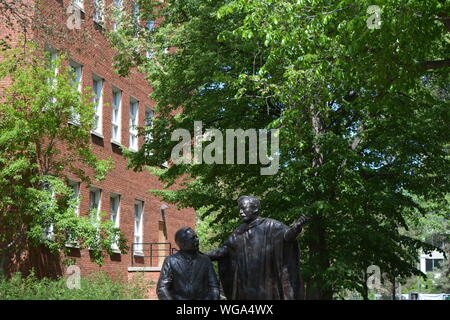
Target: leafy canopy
point(363, 116)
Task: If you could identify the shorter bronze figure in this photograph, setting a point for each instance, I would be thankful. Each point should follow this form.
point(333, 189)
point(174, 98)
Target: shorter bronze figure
point(187, 274)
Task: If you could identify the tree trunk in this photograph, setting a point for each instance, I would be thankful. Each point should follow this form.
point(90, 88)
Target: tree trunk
point(365, 291)
point(2, 264)
point(393, 289)
point(316, 289)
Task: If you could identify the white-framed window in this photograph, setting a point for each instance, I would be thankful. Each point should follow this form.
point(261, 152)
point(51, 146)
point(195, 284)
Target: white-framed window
point(75, 187)
point(53, 56)
point(138, 227)
point(148, 126)
point(150, 27)
point(95, 195)
point(148, 123)
point(432, 264)
point(78, 4)
point(49, 228)
point(99, 12)
point(116, 119)
point(97, 86)
point(136, 12)
point(49, 233)
point(114, 201)
point(52, 81)
point(134, 109)
point(119, 6)
point(95, 199)
point(77, 70)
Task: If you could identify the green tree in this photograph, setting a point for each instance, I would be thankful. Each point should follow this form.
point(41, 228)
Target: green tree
point(38, 149)
point(443, 281)
point(362, 129)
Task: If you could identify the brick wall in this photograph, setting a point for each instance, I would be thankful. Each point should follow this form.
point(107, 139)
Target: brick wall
point(89, 48)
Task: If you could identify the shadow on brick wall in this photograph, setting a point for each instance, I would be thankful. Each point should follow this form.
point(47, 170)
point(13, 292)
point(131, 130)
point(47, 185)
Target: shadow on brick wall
point(40, 259)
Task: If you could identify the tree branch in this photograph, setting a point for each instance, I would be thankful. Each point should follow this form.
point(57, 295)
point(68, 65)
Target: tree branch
point(445, 20)
point(432, 65)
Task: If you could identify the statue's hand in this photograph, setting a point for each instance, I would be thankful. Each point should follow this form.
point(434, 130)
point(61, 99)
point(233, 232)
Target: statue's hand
point(295, 230)
point(215, 255)
point(304, 219)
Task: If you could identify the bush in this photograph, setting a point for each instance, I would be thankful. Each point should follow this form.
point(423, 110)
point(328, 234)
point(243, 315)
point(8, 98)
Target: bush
point(97, 286)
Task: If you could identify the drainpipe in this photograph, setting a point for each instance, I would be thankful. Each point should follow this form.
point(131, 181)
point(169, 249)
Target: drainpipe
point(163, 209)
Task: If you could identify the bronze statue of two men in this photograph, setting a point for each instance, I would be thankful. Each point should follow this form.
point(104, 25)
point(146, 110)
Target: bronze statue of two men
point(259, 261)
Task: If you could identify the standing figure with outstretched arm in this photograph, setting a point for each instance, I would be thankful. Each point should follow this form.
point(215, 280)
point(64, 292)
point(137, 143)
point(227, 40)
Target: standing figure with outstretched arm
point(260, 260)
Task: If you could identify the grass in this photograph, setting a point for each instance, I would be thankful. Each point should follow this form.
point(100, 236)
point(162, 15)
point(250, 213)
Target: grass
point(97, 286)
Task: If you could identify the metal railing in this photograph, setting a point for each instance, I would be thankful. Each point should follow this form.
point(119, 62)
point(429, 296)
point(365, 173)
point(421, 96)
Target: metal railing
point(152, 250)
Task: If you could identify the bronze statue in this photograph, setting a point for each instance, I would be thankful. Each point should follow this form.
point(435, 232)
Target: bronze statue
point(187, 274)
point(260, 260)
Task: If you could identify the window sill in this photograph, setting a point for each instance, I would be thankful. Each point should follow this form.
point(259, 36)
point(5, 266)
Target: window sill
point(50, 238)
point(73, 123)
point(100, 23)
point(117, 143)
point(144, 269)
point(138, 253)
point(72, 245)
point(97, 134)
point(165, 165)
point(78, 7)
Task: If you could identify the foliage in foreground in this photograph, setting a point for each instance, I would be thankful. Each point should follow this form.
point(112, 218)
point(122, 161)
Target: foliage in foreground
point(45, 125)
point(97, 286)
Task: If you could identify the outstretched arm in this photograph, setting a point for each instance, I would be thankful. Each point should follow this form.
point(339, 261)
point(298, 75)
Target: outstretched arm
point(292, 233)
point(220, 253)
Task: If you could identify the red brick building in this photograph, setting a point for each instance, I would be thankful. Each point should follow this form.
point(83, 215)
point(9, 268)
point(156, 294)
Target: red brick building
point(121, 103)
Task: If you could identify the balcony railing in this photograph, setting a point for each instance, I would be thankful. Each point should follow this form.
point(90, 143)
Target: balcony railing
point(152, 252)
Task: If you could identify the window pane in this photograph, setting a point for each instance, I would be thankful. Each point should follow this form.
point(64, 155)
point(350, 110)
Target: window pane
point(437, 263)
point(99, 11)
point(136, 12)
point(136, 212)
point(91, 199)
point(77, 74)
point(113, 204)
point(117, 97)
point(138, 226)
point(97, 88)
point(114, 209)
point(148, 123)
point(428, 265)
point(115, 132)
point(148, 117)
point(75, 186)
point(133, 124)
point(150, 25)
point(94, 203)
